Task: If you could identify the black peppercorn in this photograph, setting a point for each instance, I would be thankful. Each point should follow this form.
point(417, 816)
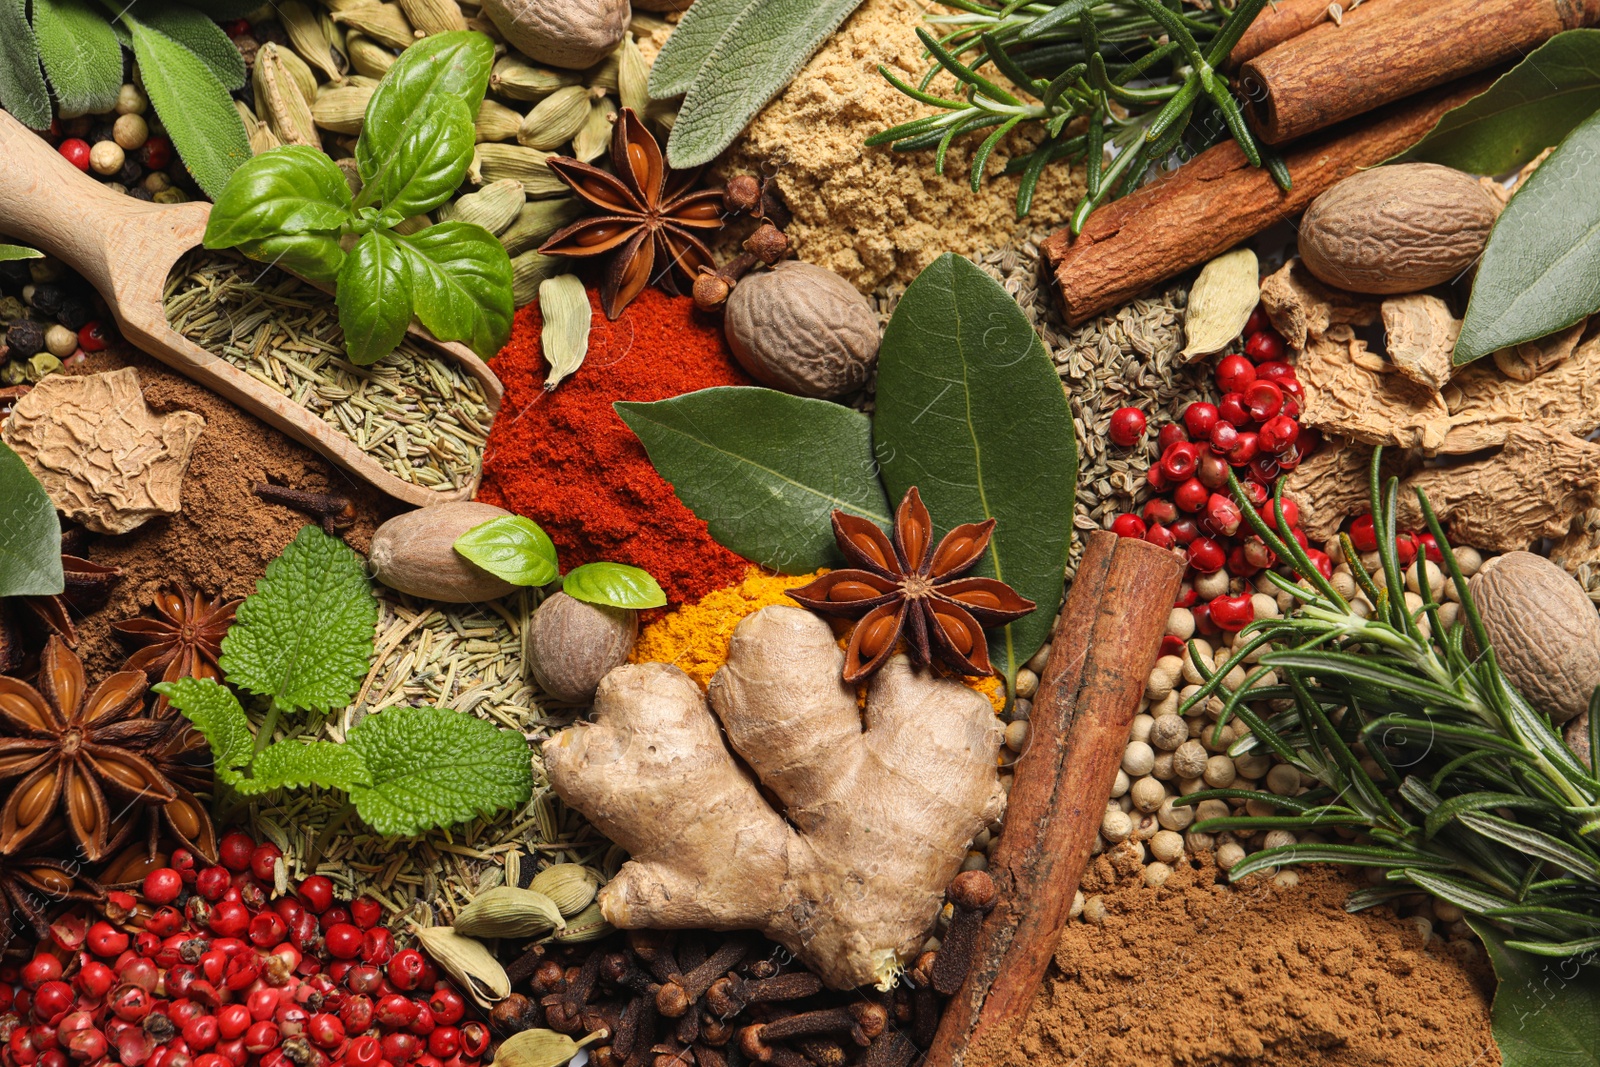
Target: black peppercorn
point(48, 298)
point(130, 173)
point(14, 274)
point(74, 312)
point(101, 131)
point(25, 338)
point(141, 193)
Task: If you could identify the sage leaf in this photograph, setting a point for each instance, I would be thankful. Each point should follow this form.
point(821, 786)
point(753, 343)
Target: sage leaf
point(1540, 271)
point(193, 104)
point(424, 166)
point(970, 410)
point(461, 284)
point(613, 585)
point(81, 55)
point(291, 190)
point(374, 298)
point(1529, 108)
point(764, 469)
point(22, 88)
point(444, 66)
point(200, 34)
point(565, 312)
point(10, 253)
point(763, 48)
point(225, 10)
point(316, 256)
point(691, 44)
point(30, 533)
point(1546, 1011)
point(511, 548)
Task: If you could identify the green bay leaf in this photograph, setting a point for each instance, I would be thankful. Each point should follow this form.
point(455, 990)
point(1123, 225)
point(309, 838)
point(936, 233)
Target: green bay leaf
point(30, 533)
point(1540, 271)
point(1529, 108)
point(374, 298)
point(81, 55)
point(971, 412)
point(200, 34)
point(764, 469)
point(1546, 1011)
point(613, 585)
point(691, 44)
point(22, 88)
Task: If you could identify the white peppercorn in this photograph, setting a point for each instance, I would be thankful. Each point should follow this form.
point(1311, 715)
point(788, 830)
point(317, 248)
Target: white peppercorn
point(1167, 733)
point(1286, 879)
point(1208, 586)
point(1189, 759)
point(1195, 841)
point(1284, 780)
point(1156, 875)
point(1191, 785)
point(1037, 661)
point(1219, 773)
point(130, 132)
point(1115, 827)
point(106, 157)
point(1162, 771)
point(1140, 729)
point(1265, 605)
point(1445, 911)
point(1234, 679)
point(1147, 794)
point(1077, 905)
point(1144, 828)
point(1027, 683)
point(1229, 855)
point(60, 341)
point(1177, 817)
point(131, 101)
point(1094, 910)
point(1125, 803)
point(1167, 705)
point(1180, 623)
point(1017, 735)
point(1435, 578)
point(1278, 839)
point(1138, 759)
point(1252, 765)
point(1449, 613)
point(1159, 685)
point(1217, 738)
point(1469, 560)
point(1259, 809)
point(1166, 846)
point(1211, 809)
point(975, 861)
point(1121, 784)
point(1190, 673)
point(1343, 582)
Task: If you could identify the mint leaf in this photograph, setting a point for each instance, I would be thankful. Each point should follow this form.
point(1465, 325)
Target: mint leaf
point(304, 637)
point(425, 165)
point(296, 764)
point(81, 55)
point(216, 713)
point(30, 533)
point(290, 190)
point(432, 768)
point(445, 66)
point(461, 284)
point(22, 88)
point(374, 298)
point(512, 548)
point(614, 585)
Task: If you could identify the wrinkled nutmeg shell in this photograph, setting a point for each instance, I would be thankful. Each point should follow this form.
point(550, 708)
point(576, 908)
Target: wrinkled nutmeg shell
point(802, 329)
point(415, 553)
point(574, 34)
point(1544, 631)
point(573, 644)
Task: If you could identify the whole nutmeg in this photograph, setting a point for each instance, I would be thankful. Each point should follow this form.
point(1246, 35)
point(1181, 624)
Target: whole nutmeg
point(802, 329)
point(572, 644)
point(1544, 631)
point(415, 553)
point(1397, 229)
point(574, 34)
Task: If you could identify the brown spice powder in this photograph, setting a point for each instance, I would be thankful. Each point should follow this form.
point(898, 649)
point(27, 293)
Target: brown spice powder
point(1198, 973)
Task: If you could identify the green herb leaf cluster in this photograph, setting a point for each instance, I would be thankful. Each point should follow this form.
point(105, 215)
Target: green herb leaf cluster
point(30, 533)
point(291, 206)
point(516, 550)
point(304, 641)
point(1141, 72)
point(188, 66)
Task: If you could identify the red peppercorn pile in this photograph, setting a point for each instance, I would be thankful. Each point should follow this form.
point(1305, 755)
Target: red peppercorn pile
point(201, 969)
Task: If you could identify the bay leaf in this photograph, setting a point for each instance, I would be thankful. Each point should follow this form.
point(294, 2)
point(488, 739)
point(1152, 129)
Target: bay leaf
point(764, 469)
point(564, 309)
point(81, 55)
point(30, 533)
point(1529, 108)
point(22, 88)
point(1220, 302)
point(1540, 271)
point(1546, 1011)
point(971, 412)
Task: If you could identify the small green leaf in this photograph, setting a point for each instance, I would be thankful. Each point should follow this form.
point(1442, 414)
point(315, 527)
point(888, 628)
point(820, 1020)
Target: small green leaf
point(200, 34)
point(613, 585)
point(970, 411)
point(374, 298)
point(22, 88)
point(30, 533)
point(445, 66)
point(316, 256)
point(433, 768)
point(691, 44)
point(304, 637)
point(193, 105)
point(511, 548)
point(297, 764)
point(764, 469)
point(81, 55)
point(1529, 108)
point(423, 167)
point(1541, 269)
point(291, 190)
point(1546, 1011)
point(216, 713)
point(10, 253)
point(461, 284)
point(764, 46)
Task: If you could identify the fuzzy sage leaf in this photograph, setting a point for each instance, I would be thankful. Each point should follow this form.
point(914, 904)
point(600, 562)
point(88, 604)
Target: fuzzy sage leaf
point(200, 34)
point(22, 88)
point(81, 55)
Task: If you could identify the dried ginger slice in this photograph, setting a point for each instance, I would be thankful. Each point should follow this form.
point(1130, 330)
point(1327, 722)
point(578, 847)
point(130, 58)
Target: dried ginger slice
point(1301, 307)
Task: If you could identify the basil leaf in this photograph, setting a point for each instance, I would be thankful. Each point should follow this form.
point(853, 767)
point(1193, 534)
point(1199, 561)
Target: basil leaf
point(200, 34)
point(764, 469)
point(1540, 271)
point(81, 56)
point(970, 410)
point(691, 44)
point(425, 165)
point(314, 256)
point(511, 548)
point(444, 66)
point(291, 190)
point(374, 298)
point(30, 533)
point(613, 585)
point(764, 47)
point(1526, 110)
point(1530, 1028)
point(193, 105)
point(22, 88)
point(461, 284)
point(9, 253)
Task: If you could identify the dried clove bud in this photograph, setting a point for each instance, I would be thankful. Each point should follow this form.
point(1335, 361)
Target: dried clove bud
point(973, 894)
point(743, 194)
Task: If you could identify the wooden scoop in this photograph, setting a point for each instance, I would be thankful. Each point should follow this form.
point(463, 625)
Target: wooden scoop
point(127, 247)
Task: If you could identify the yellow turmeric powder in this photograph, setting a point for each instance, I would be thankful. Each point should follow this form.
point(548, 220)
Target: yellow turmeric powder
point(694, 638)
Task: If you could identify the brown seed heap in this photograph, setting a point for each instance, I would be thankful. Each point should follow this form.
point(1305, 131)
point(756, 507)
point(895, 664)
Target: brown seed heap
point(900, 589)
point(184, 642)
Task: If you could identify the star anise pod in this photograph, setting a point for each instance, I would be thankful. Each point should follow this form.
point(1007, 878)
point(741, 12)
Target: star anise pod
point(183, 755)
point(648, 218)
point(87, 586)
point(184, 642)
point(910, 588)
point(70, 750)
point(30, 883)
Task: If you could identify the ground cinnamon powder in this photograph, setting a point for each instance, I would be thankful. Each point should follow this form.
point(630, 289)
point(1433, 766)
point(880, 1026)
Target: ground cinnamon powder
point(1202, 974)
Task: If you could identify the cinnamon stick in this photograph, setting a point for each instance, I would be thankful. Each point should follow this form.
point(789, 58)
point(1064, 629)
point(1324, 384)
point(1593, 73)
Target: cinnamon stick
point(1388, 51)
point(1279, 21)
point(1218, 199)
point(1100, 657)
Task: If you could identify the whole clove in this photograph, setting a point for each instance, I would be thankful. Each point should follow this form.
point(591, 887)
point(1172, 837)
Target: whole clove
point(973, 895)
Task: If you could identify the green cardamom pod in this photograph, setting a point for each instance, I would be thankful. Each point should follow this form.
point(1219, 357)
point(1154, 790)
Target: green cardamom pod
point(494, 207)
point(434, 16)
point(633, 76)
point(496, 122)
point(541, 1048)
point(507, 911)
point(384, 23)
point(537, 220)
point(603, 75)
point(307, 39)
point(528, 270)
point(341, 108)
point(467, 961)
point(284, 107)
point(587, 925)
point(368, 56)
point(564, 310)
point(493, 162)
point(554, 120)
point(518, 80)
point(592, 141)
point(571, 885)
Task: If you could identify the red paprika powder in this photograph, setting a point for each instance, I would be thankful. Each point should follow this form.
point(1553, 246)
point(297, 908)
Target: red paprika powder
point(566, 460)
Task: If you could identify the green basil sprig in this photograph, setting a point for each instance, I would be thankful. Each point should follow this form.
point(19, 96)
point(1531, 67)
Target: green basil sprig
point(292, 207)
point(516, 550)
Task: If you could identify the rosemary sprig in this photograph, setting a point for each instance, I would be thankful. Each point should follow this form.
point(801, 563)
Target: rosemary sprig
point(1477, 799)
point(1138, 71)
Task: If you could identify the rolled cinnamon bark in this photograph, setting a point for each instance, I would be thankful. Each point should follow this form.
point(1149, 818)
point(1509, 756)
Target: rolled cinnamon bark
point(1388, 51)
point(1100, 657)
point(1279, 21)
point(1218, 199)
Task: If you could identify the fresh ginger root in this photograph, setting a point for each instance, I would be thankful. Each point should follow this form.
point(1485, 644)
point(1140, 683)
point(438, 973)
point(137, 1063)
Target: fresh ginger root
point(850, 875)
